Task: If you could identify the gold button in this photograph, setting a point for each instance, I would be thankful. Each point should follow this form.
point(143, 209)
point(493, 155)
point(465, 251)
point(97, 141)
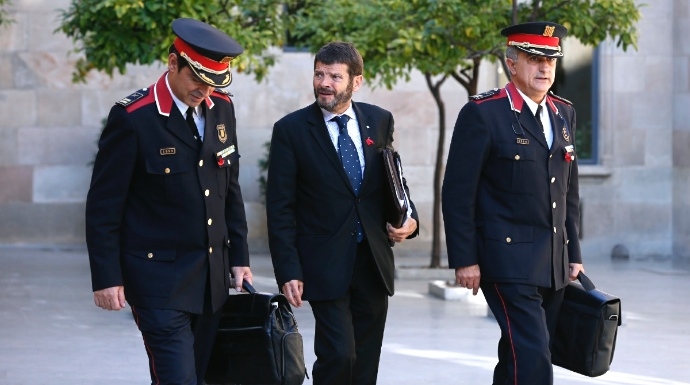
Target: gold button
point(553, 179)
point(554, 205)
point(210, 250)
point(517, 157)
point(150, 255)
point(567, 241)
point(167, 170)
point(554, 229)
point(201, 163)
point(206, 192)
point(551, 156)
point(508, 240)
point(210, 221)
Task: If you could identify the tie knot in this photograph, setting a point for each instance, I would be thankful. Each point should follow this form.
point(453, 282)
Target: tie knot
point(342, 121)
point(190, 112)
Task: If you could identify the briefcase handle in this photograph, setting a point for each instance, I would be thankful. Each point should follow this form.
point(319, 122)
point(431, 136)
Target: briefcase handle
point(587, 283)
point(248, 287)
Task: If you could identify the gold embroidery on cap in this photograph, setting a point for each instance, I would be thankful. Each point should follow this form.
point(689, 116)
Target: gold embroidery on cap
point(548, 30)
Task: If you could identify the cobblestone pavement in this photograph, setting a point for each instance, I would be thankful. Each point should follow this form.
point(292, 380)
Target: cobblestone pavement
point(51, 333)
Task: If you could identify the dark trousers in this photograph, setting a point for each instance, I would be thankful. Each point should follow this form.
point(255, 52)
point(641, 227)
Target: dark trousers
point(177, 343)
point(527, 316)
point(349, 330)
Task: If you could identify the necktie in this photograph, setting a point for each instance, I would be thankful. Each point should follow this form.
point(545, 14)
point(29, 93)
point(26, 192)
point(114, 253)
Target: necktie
point(350, 160)
point(192, 126)
point(538, 116)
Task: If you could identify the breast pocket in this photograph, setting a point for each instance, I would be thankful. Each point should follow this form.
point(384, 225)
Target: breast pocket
point(166, 175)
point(520, 166)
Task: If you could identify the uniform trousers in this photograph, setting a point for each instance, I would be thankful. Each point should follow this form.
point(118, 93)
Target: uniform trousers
point(178, 343)
point(527, 316)
point(349, 330)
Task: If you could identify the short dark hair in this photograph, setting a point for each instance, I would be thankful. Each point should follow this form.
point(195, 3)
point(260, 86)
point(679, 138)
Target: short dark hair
point(341, 53)
point(181, 62)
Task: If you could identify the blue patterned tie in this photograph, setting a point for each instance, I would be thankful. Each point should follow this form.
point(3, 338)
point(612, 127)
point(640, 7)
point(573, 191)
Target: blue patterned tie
point(350, 161)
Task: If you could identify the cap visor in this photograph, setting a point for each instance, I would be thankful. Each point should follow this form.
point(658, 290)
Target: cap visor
point(216, 80)
point(540, 52)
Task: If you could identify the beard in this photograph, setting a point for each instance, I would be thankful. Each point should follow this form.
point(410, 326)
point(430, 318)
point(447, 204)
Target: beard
point(339, 98)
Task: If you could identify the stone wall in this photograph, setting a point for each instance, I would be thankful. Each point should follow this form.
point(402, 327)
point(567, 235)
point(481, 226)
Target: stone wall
point(636, 196)
point(50, 127)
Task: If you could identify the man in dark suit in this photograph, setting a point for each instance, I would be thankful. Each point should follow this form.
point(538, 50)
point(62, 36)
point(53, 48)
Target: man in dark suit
point(328, 235)
point(165, 220)
point(510, 202)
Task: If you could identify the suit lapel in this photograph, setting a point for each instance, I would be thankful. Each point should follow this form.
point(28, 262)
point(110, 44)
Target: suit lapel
point(318, 130)
point(178, 127)
point(557, 123)
point(527, 119)
point(366, 132)
point(210, 133)
point(529, 123)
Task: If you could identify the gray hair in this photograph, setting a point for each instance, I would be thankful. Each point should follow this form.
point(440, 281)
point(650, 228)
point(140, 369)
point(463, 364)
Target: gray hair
point(511, 53)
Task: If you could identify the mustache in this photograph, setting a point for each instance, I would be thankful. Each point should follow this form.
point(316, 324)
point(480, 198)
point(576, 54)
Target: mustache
point(324, 90)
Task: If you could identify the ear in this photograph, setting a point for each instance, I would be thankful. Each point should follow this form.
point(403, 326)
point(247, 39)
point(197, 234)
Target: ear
point(357, 82)
point(172, 62)
point(510, 63)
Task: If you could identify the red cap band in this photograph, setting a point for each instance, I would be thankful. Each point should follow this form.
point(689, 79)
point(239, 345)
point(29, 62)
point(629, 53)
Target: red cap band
point(206, 63)
point(546, 41)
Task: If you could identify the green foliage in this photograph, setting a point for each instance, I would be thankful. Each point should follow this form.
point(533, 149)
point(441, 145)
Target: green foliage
point(446, 37)
point(114, 33)
point(4, 16)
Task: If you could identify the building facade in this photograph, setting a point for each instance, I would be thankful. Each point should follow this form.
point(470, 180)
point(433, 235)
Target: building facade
point(635, 194)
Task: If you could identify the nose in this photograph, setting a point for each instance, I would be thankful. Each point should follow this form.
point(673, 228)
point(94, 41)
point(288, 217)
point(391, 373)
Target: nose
point(206, 89)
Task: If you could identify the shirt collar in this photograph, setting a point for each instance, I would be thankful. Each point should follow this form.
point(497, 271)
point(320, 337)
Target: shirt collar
point(327, 115)
point(531, 104)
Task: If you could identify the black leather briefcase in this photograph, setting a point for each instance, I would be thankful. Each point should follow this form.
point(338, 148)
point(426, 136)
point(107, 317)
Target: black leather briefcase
point(396, 200)
point(257, 343)
point(588, 323)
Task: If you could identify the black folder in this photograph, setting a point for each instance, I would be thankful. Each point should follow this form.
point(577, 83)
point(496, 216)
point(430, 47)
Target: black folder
point(397, 202)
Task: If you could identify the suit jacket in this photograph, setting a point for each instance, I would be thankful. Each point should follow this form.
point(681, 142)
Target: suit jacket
point(510, 203)
point(164, 214)
point(312, 208)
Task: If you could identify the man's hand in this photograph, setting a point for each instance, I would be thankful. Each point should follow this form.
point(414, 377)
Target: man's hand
point(292, 290)
point(468, 277)
point(575, 269)
point(399, 235)
point(240, 274)
point(112, 298)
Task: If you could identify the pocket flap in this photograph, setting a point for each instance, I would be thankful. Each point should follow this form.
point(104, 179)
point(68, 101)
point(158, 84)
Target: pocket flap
point(509, 233)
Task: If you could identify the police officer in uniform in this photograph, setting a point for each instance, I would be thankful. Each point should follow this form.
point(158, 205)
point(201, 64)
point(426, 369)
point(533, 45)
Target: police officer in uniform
point(510, 202)
point(165, 220)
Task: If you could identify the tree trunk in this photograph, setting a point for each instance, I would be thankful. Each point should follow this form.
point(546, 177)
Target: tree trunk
point(438, 172)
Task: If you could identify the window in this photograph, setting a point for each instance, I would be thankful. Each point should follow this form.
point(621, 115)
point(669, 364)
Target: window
point(576, 81)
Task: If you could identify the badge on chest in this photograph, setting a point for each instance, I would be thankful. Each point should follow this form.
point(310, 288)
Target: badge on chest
point(224, 157)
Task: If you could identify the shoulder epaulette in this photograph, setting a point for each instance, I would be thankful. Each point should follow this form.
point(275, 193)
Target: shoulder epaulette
point(564, 100)
point(224, 92)
point(133, 97)
point(485, 95)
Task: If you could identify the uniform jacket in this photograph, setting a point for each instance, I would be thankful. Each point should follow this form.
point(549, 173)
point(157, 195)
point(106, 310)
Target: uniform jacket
point(312, 208)
point(163, 212)
point(510, 204)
